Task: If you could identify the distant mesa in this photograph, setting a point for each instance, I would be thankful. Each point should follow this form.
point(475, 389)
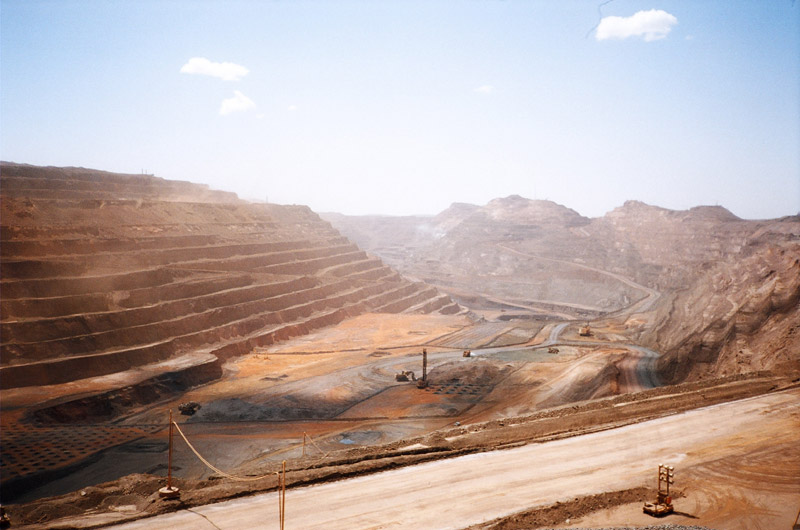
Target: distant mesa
point(717, 213)
point(520, 210)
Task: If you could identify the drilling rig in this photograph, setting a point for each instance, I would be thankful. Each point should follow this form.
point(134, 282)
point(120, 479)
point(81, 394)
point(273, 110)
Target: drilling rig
point(423, 383)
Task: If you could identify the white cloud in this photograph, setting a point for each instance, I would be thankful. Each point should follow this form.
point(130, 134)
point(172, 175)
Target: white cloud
point(650, 25)
point(224, 71)
point(238, 103)
point(291, 108)
point(485, 89)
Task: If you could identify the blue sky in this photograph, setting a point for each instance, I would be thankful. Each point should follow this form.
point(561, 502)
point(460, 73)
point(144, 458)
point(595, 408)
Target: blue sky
point(404, 107)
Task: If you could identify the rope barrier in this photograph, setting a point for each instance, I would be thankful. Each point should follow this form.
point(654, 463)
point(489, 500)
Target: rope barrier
point(211, 466)
point(324, 454)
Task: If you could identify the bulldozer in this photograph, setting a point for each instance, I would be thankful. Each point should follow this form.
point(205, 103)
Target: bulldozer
point(405, 375)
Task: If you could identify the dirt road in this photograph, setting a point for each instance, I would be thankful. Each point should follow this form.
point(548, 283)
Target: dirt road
point(644, 304)
point(459, 492)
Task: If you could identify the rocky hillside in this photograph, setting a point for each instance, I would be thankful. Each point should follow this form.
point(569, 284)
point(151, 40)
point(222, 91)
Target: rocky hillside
point(103, 273)
point(730, 287)
point(740, 314)
point(512, 247)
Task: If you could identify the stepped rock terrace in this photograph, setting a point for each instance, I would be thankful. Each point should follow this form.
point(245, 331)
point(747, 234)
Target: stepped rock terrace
point(104, 272)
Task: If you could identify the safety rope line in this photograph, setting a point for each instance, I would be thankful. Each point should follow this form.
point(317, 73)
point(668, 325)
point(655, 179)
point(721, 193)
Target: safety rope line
point(211, 466)
point(324, 454)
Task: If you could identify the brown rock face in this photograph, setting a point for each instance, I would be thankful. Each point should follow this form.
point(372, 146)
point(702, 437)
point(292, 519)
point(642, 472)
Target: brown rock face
point(730, 287)
point(103, 272)
point(741, 315)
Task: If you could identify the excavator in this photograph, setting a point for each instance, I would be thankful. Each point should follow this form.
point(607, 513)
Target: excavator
point(408, 375)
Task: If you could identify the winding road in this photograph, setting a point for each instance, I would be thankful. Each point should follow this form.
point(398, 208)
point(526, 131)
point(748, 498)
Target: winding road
point(638, 370)
point(641, 374)
point(644, 304)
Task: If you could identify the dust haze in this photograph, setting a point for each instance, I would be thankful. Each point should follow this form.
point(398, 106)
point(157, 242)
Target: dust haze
point(277, 334)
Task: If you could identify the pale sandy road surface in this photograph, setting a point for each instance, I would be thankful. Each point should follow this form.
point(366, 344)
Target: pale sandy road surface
point(458, 492)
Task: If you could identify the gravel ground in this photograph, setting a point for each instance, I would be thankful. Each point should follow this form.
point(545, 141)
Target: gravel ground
point(652, 527)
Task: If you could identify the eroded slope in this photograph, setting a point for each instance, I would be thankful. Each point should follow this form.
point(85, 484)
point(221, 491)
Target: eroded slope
point(730, 287)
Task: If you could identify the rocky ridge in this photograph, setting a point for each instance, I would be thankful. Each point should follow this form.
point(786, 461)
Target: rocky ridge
point(730, 287)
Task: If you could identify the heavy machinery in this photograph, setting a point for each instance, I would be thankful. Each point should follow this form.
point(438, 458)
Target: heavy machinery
point(663, 504)
point(552, 349)
point(423, 383)
point(405, 375)
point(188, 409)
point(585, 331)
point(467, 353)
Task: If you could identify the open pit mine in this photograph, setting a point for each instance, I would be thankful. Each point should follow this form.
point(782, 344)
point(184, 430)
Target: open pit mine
point(175, 357)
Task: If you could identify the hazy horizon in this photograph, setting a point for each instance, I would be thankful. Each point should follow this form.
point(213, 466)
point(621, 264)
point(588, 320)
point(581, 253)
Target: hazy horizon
point(403, 108)
point(433, 214)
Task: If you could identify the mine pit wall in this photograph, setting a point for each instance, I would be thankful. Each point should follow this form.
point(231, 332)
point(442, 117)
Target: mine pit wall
point(379, 272)
point(64, 370)
point(346, 305)
point(112, 404)
point(103, 302)
point(236, 349)
point(154, 314)
point(36, 247)
point(37, 181)
point(102, 234)
point(103, 272)
point(110, 327)
point(220, 257)
point(575, 287)
point(602, 383)
point(707, 325)
point(50, 287)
